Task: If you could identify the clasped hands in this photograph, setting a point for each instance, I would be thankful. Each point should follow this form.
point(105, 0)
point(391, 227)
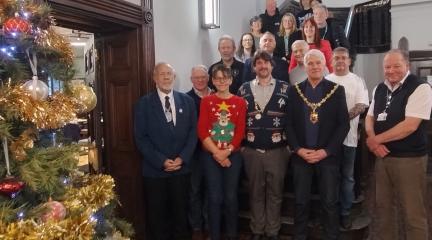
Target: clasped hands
point(375, 146)
point(173, 165)
point(221, 156)
point(312, 155)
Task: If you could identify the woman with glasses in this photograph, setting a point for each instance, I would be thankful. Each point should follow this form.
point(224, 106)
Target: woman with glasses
point(221, 128)
point(246, 47)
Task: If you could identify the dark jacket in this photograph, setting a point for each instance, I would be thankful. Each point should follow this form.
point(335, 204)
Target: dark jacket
point(333, 123)
point(271, 23)
point(157, 140)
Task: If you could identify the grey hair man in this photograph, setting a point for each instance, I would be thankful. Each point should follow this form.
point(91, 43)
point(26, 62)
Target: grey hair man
point(280, 68)
point(227, 47)
point(298, 74)
point(316, 128)
point(198, 218)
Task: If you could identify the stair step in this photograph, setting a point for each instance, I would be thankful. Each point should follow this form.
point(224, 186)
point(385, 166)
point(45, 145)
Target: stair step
point(358, 231)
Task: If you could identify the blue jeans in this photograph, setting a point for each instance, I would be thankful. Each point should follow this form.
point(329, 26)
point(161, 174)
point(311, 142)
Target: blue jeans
point(198, 217)
point(222, 189)
point(347, 179)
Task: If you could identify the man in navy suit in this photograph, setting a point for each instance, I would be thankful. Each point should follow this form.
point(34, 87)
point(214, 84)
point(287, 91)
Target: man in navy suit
point(280, 69)
point(317, 125)
point(165, 134)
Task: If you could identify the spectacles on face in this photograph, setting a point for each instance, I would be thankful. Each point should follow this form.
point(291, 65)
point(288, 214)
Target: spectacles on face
point(247, 40)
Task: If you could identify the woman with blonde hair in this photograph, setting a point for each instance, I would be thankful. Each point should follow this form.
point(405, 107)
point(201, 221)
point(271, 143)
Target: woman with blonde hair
point(288, 33)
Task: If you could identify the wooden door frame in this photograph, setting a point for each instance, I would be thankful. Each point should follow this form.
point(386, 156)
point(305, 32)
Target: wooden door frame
point(106, 18)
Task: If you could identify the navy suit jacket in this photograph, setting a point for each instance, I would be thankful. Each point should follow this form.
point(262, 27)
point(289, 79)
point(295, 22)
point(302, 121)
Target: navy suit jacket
point(158, 140)
point(280, 70)
point(333, 123)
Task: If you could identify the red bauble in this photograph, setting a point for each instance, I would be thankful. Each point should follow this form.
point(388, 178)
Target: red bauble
point(17, 25)
point(55, 211)
point(11, 186)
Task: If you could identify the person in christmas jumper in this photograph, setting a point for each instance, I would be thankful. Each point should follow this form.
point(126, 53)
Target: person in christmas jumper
point(265, 154)
point(165, 134)
point(221, 129)
point(317, 125)
point(396, 126)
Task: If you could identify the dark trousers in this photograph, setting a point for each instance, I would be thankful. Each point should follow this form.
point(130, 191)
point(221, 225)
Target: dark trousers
point(198, 201)
point(328, 184)
point(166, 201)
point(222, 185)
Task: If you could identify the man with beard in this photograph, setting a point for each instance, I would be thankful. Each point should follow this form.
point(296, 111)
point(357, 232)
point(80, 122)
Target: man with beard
point(265, 153)
point(280, 67)
point(226, 47)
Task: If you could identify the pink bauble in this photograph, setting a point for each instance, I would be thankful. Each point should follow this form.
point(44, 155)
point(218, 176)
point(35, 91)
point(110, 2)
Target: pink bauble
point(54, 211)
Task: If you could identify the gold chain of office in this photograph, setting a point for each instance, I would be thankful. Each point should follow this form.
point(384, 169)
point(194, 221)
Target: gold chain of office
point(313, 117)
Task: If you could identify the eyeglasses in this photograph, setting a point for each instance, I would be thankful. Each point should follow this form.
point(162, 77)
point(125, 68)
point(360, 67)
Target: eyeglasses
point(247, 40)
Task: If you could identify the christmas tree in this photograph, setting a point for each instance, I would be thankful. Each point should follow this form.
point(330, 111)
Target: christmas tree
point(42, 193)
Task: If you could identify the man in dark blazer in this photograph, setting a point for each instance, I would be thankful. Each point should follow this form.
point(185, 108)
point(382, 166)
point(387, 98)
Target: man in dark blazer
point(280, 69)
point(165, 134)
point(316, 128)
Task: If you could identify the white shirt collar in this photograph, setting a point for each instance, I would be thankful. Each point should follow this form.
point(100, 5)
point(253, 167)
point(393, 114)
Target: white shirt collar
point(256, 83)
point(162, 95)
point(199, 93)
point(391, 88)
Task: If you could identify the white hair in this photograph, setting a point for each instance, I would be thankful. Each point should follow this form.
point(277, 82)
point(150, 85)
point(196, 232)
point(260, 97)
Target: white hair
point(316, 53)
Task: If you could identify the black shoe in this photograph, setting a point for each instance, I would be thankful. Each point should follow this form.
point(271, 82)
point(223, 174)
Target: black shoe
point(346, 222)
point(276, 237)
point(256, 237)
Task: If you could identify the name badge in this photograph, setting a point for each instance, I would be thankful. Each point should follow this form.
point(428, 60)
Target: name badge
point(382, 117)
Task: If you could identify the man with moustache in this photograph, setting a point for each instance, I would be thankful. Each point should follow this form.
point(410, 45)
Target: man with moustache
point(357, 100)
point(165, 133)
point(198, 199)
point(280, 67)
point(298, 74)
point(226, 47)
point(396, 126)
point(316, 127)
point(265, 153)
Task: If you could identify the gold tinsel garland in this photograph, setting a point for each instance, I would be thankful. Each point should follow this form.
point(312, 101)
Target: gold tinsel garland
point(97, 192)
point(44, 114)
point(52, 40)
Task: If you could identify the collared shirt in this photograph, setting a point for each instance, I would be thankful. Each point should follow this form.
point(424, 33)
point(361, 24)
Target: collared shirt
point(261, 93)
point(162, 96)
point(199, 94)
point(418, 104)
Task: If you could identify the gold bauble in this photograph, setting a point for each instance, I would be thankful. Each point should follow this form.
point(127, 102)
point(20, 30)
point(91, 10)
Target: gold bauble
point(85, 96)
